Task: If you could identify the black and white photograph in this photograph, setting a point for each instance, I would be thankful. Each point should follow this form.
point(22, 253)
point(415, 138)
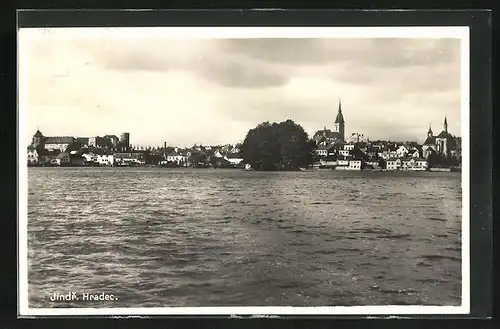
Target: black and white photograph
point(249, 170)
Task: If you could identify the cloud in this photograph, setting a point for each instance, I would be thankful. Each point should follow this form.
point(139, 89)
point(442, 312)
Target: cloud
point(381, 52)
point(199, 56)
point(206, 91)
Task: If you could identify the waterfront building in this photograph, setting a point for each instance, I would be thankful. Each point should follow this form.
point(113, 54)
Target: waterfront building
point(444, 144)
point(393, 163)
point(105, 160)
point(420, 164)
point(177, 158)
point(47, 156)
point(63, 158)
point(129, 158)
point(406, 163)
point(32, 155)
point(355, 164)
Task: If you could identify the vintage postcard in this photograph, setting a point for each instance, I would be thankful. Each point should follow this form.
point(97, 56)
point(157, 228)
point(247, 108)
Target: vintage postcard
point(243, 170)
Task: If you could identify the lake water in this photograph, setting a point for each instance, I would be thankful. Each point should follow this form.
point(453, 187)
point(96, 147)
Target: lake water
point(208, 237)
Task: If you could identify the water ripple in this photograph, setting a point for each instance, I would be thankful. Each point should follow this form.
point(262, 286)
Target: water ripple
point(162, 237)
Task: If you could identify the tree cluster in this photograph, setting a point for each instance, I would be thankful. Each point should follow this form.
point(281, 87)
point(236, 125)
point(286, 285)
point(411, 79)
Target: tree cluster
point(439, 160)
point(278, 146)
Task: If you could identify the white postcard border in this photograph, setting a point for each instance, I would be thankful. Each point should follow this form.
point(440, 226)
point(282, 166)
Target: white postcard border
point(459, 32)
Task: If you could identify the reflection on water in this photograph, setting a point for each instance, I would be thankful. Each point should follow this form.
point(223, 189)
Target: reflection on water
point(183, 237)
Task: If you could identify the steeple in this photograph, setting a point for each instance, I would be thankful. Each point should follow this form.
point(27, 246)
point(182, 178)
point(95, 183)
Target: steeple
point(429, 133)
point(340, 117)
point(340, 123)
point(445, 126)
point(37, 138)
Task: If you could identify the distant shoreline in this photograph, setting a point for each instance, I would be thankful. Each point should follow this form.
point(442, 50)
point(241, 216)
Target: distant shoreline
point(431, 170)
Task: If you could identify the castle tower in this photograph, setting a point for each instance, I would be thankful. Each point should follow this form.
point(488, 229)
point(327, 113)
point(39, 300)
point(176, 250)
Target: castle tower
point(340, 123)
point(125, 141)
point(37, 138)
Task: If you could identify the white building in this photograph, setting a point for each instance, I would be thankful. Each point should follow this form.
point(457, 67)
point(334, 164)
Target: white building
point(393, 164)
point(419, 164)
point(105, 160)
point(233, 161)
point(32, 155)
point(321, 152)
point(342, 162)
point(344, 152)
point(402, 151)
point(355, 164)
point(177, 158)
point(349, 147)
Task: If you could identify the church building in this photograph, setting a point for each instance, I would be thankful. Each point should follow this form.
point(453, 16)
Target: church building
point(338, 133)
point(444, 144)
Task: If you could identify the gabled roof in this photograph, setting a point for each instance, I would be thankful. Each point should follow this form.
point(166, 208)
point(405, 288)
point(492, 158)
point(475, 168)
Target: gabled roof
point(83, 140)
point(443, 134)
point(38, 133)
point(416, 148)
point(430, 141)
point(49, 152)
point(393, 159)
point(326, 134)
point(59, 140)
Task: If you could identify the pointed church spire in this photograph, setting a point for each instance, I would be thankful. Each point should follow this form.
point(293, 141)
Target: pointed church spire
point(445, 124)
point(430, 133)
point(340, 117)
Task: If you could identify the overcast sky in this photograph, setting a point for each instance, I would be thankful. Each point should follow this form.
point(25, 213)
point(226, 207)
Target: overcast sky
point(212, 91)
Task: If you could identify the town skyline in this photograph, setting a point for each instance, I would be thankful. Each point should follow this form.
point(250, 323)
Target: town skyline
point(213, 91)
point(435, 129)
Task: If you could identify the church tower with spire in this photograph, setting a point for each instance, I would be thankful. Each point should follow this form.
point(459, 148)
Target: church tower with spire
point(340, 123)
point(37, 139)
point(445, 126)
point(430, 133)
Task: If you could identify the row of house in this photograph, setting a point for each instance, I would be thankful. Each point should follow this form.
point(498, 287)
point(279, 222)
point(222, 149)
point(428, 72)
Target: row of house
point(334, 148)
point(77, 154)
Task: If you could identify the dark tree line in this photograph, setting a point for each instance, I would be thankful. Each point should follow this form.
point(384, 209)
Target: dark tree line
point(278, 146)
point(439, 160)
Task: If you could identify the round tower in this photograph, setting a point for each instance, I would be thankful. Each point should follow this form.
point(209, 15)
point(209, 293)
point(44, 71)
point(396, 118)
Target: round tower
point(125, 140)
